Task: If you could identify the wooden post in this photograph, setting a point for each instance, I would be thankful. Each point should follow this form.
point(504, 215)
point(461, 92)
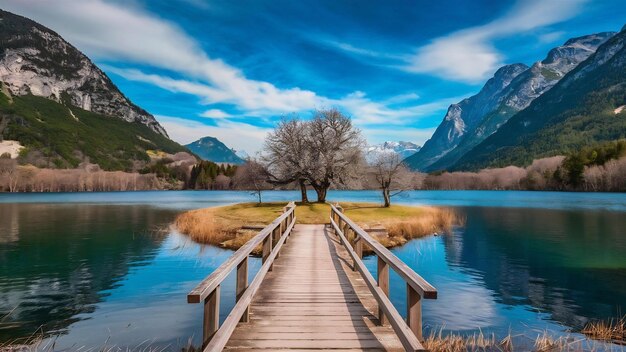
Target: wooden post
point(211, 320)
point(383, 283)
point(276, 236)
point(242, 285)
point(358, 248)
point(345, 229)
point(267, 248)
point(414, 311)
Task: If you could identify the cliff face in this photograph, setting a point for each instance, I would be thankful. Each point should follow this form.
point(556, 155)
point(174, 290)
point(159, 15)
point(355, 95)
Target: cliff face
point(35, 60)
point(511, 90)
point(583, 108)
point(463, 117)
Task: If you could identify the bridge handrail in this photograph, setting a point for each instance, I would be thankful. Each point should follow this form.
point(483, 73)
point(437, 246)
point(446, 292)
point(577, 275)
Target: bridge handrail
point(410, 333)
point(272, 237)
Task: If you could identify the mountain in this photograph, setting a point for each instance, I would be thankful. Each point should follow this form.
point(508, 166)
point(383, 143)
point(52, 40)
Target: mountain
point(404, 149)
point(242, 154)
point(515, 95)
point(35, 60)
point(463, 117)
point(64, 110)
point(583, 108)
point(212, 149)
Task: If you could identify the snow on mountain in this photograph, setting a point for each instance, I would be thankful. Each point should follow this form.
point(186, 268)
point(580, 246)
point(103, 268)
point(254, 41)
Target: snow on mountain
point(404, 149)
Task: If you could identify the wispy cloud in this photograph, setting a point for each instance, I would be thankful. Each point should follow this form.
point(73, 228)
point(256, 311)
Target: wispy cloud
point(364, 110)
point(238, 135)
point(216, 114)
point(112, 31)
point(469, 54)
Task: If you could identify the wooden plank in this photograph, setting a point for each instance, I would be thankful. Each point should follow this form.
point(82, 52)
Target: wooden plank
point(311, 300)
point(312, 344)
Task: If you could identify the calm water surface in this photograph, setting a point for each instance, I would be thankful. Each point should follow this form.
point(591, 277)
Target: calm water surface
point(96, 269)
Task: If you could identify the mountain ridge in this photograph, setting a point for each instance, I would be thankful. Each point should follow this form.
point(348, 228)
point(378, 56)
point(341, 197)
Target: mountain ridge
point(212, 149)
point(515, 96)
point(581, 109)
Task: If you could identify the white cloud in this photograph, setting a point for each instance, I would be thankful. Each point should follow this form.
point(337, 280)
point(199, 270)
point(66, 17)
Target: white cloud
point(215, 114)
point(237, 135)
point(124, 32)
point(363, 110)
point(116, 31)
point(469, 55)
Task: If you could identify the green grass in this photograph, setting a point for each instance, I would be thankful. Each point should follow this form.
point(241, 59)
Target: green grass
point(45, 126)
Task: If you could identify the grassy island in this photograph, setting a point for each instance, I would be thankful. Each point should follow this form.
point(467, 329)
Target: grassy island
point(232, 226)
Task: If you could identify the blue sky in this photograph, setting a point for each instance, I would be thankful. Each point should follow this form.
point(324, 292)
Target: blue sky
point(231, 69)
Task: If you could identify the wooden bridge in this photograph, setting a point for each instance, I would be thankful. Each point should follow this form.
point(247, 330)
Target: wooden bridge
point(312, 292)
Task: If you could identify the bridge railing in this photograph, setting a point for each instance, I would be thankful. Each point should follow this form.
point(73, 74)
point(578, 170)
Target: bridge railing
point(353, 238)
point(273, 236)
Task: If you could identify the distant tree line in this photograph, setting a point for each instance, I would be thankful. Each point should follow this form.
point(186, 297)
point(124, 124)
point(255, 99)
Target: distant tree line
point(178, 171)
point(209, 175)
point(322, 153)
point(601, 167)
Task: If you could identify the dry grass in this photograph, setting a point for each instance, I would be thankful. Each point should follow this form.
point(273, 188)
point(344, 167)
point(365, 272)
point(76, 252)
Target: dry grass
point(613, 330)
point(392, 226)
point(437, 342)
point(543, 342)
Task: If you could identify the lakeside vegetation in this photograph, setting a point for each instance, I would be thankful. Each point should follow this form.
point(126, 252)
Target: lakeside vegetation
point(232, 226)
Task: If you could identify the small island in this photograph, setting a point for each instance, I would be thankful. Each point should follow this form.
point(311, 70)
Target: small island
point(233, 225)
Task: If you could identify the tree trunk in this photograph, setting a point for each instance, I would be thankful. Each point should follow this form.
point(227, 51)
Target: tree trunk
point(321, 193)
point(305, 198)
point(386, 197)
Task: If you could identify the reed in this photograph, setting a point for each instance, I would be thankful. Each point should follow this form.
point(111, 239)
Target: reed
point(204, 226)
point(612, 330)
point(430, 221)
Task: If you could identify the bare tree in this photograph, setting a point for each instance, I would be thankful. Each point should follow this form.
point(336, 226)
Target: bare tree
point(252, 176)
point(336, 151)
point(9, 171)
point(288, 156)
point(390, 175)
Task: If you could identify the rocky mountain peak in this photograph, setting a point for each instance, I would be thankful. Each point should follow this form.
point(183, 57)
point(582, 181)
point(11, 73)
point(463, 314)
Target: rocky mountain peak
point(510, 90)
point(36, 60)
point(576, 50)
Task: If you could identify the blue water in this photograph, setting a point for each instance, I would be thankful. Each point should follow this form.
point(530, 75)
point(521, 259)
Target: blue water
point(102, 269)
point(197, 199)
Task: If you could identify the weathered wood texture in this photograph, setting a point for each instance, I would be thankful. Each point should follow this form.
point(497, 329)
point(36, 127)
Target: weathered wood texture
point(313, 300)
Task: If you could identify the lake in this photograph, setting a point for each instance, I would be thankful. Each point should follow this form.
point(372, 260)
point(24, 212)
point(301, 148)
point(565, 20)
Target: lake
point(103, 269)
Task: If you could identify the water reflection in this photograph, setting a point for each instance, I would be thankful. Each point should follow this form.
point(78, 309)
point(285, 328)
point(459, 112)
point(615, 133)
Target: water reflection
point(91, 273)
point(57, 262)
point(569, 264)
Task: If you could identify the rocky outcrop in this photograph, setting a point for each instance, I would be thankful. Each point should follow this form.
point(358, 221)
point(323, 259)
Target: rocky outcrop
point(35, 60)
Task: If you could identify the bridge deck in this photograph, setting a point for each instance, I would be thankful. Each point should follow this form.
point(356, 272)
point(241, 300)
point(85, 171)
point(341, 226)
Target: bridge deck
point(313, 300)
